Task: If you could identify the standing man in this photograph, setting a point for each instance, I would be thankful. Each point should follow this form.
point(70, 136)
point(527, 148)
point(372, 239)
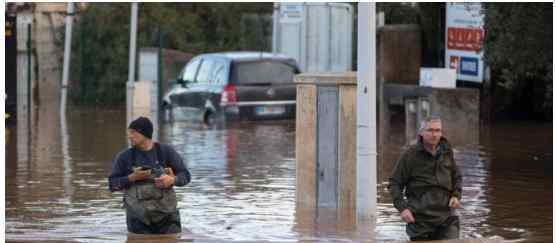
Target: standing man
point(146, 173)
point(432, 182)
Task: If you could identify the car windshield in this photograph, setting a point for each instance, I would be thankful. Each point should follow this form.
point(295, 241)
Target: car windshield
point(262, 72)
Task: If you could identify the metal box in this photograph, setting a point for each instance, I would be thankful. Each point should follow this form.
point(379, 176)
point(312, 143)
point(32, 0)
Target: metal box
point(317, 35)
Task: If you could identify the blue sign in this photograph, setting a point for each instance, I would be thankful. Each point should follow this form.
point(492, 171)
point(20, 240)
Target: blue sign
point(469, 66)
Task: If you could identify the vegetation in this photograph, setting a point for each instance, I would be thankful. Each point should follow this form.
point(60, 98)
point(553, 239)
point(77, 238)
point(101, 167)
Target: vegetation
point(518, 44)
point(101, 39)
point(518, 48)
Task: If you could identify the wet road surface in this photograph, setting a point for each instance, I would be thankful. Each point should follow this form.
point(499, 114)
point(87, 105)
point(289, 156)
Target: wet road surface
point(243, 184)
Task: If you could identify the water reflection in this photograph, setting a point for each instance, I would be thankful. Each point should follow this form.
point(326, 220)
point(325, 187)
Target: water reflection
point(243, 178)
point(243, 184)
point(328, 225)
point(137, 238)
point(520, 176)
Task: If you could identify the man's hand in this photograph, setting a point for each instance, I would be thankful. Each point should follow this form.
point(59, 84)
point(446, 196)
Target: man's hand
point(407, 216)
point(454, 202)
point(139, 174)
point(169, 171)
point(164, 181)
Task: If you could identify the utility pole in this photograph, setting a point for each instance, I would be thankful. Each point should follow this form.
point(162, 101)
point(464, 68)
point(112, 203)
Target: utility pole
point(366, 111)
point(67, 48)
point(131, 69)
point(68, 189)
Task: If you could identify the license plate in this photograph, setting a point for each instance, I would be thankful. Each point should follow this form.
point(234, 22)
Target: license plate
point(270, 110)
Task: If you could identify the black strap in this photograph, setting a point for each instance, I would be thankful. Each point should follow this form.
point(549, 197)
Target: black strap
point(163, 159)
point(133, 157)
point(159, 152)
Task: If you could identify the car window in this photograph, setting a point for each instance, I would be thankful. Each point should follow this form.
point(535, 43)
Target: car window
point(204, 74)
point(262, 72)
point(189, 71)
point(219, 73)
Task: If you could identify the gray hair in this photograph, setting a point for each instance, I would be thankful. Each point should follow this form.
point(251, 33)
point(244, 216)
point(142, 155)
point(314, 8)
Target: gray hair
point(428, 119)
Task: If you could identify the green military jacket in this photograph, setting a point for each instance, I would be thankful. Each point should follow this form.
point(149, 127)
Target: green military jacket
point(424, 184)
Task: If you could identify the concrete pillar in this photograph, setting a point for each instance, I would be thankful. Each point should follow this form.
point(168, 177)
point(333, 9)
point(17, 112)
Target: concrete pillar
point(48, 18)
point(325, 143)
point(25, 73)
point(145, 103)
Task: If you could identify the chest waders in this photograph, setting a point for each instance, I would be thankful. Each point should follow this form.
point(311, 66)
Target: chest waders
point(151, 210)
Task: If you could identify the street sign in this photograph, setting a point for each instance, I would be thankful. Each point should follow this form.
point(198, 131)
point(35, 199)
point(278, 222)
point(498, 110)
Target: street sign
point(464, 40)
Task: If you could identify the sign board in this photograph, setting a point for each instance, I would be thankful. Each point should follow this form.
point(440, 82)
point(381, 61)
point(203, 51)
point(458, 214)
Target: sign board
point(464, 40)
point(291, 13)
point(437, 77)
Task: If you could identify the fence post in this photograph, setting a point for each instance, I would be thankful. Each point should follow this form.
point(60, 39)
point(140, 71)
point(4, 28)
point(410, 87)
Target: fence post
point(29, 55)
point(82, 81)
point(160, 66)
point(29, 77)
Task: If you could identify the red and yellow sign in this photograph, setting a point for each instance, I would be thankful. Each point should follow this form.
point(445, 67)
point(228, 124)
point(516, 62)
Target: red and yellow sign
point(465, 39)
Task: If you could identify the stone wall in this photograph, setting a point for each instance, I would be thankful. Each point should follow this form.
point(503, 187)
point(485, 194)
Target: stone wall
point(458, 108)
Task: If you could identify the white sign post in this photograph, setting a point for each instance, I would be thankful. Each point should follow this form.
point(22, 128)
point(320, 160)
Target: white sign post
point(464, 40)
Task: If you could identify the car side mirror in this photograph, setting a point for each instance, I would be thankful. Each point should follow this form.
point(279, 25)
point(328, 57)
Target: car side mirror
point(182, 82)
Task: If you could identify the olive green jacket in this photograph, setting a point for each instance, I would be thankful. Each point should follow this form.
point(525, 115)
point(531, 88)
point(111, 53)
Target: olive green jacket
point(429, 182)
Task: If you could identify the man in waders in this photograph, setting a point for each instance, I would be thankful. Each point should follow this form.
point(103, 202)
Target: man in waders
point(146, 173)
point(432, 182)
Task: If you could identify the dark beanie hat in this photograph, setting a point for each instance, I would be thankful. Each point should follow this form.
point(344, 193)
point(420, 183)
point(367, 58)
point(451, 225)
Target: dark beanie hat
point(142, 125)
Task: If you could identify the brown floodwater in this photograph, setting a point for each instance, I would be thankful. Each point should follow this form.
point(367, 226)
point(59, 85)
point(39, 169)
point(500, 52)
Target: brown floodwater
point(243, 183)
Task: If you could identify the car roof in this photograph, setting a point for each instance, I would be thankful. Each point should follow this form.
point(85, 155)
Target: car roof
point(248, 56)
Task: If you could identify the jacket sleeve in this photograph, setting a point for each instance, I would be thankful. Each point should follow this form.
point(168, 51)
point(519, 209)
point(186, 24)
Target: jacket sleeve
point(398, 182)
point(183, 177)
point(118, 177)
point(456, 178)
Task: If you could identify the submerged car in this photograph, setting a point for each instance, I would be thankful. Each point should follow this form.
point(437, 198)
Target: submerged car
point(236, 85)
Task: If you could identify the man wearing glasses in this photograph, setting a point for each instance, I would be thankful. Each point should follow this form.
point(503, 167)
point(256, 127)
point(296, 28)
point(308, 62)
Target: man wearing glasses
point(432, 183)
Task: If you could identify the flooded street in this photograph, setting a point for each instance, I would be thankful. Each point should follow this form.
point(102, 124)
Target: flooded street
point(243, 184)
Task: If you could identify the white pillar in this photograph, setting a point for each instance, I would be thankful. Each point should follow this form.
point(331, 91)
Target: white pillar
point(131, 69)
point(67, 46)
point(366, 112)
point(275, 17)
point(68, 189)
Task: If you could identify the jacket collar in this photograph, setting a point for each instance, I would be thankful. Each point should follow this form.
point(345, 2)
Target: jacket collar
point(441, 147)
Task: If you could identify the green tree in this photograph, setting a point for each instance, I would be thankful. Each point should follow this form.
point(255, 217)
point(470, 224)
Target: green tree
point(518, 48)
point(399, 13)
point(101, 39)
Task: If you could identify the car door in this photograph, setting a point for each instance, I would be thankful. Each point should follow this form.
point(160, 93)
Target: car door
point(218, 79)
point(182, 95)
point(202, 84)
